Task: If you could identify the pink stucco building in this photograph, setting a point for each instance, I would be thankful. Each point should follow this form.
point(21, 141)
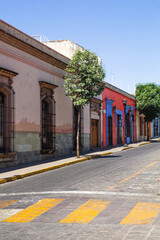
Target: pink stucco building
point(37, 119)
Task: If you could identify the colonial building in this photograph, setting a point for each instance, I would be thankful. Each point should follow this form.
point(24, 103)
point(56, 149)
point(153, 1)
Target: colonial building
point(37, 119)
point(155, 128)
point(142, 127)
point(119, 117)
point(91, 130)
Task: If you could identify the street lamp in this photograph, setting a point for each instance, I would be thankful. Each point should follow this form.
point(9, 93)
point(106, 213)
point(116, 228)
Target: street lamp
point(124, 104)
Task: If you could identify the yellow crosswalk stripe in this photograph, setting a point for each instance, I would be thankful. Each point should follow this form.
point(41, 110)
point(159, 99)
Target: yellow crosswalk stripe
point(86, 212)
point(33, 211)
point(6, 203)
point(142, 213)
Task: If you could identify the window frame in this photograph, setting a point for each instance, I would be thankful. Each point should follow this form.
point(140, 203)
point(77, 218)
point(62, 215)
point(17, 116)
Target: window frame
point(47, 96)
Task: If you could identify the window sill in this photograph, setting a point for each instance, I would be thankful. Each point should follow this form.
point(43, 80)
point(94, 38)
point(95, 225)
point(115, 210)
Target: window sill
point(7, 155)
point(47, 152)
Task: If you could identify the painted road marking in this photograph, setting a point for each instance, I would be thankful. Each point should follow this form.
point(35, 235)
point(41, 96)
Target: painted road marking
point(83, 192)
point(6, 213)
point(132, 176)
point(142, 213)
point(6, 203)
point(33, 211)
point(86, 212)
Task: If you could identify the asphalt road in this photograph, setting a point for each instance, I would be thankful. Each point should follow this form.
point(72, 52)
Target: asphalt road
point(115, 189)
point(92, 175)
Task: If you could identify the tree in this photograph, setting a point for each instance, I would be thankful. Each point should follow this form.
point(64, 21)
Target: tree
point(148, 101)
point(83, 81)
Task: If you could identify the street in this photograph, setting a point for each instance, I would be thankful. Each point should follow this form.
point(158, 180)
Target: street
point(112, 197)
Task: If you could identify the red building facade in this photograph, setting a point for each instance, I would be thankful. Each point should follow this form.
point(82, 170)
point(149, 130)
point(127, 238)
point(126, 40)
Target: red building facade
point(119, 117)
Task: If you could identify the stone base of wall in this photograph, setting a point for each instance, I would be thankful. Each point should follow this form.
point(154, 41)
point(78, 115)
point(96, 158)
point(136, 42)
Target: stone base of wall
point(142, 138)
point(24, 158)
point(27, 141)
point(86, 142)
point(64, 144)
point(26, 154)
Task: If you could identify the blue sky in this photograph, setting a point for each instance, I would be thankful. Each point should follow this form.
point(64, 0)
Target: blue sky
point(124, 33)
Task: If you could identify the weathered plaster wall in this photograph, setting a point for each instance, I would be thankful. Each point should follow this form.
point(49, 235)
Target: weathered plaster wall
point(64, 114)
point(65, 47)
point(30, 71)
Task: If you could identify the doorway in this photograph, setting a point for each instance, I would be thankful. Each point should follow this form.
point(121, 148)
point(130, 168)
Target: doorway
point(94, 133)
point(119, 129)
point(110, 131)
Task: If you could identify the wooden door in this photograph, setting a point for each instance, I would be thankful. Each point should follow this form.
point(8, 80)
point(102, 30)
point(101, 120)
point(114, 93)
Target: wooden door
point(94, 133)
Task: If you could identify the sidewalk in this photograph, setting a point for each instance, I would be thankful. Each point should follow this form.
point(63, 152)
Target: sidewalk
point(23, 172)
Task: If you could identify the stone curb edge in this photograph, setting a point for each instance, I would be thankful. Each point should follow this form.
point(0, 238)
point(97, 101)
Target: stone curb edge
point(141, 144)
point(16, 177)
point(125, 148)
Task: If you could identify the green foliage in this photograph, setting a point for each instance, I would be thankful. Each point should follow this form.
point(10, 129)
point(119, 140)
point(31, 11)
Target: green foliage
point(148, 100)
point(84, 78)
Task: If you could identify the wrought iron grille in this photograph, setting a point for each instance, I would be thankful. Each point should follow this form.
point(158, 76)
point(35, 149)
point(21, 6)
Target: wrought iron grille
point(128, 124)
point(6, 119)
point(141, 125)
point(110, 131)
point(48, 124)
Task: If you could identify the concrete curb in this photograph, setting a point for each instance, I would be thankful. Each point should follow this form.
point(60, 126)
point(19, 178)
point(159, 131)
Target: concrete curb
point(16, 177)
point(141, 144)
point(125, 148)
point(20, 176)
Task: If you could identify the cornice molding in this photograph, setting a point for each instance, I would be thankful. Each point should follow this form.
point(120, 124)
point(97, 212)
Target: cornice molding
point(7, 73)
point(30, 62)
point(17, 43)
point(47, 85)
point(96, 100)
point(118, 90)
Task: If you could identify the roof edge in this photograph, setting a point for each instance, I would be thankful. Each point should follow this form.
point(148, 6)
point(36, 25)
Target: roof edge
point(114, 88)
point(16, 33)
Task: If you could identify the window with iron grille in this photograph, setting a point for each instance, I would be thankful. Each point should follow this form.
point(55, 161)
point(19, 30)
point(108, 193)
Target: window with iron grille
point(48, 124)
point(6, 111)
point(6, 119)
point(1, 122)
point(110, 131)
point(141, 125)
point(128, 124)
point(48, 117)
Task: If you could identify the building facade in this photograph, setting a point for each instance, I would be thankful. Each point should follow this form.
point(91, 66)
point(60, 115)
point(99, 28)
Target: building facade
point(92, 128)
point(155, 127)
point(37, 119)
point(119, 117)
point(141, 127)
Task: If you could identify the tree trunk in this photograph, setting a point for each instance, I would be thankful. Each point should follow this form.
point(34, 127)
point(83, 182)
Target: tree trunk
point(78, 128)
point(147, 131)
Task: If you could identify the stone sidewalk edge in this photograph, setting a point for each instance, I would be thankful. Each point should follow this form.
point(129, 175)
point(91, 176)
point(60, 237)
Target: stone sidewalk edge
point(20, 176)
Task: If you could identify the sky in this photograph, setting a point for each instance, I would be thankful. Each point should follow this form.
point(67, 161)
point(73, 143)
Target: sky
point(124, 33)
